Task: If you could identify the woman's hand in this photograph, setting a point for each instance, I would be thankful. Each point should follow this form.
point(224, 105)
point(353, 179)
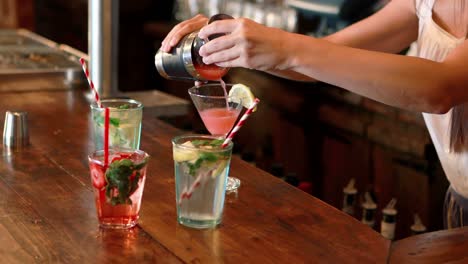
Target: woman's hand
point(182, 29)
point(246, 44)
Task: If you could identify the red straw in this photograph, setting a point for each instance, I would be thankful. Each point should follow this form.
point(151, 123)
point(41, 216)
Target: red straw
point(91, 84)
point(240, 123)
point(106, 114)
point(106, 137)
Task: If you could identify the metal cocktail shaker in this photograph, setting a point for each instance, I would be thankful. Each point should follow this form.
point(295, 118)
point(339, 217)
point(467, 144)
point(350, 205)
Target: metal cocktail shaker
point(184, 61)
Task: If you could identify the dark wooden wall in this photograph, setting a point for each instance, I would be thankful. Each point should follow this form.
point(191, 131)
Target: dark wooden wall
point(327, 136)
point(67, 22)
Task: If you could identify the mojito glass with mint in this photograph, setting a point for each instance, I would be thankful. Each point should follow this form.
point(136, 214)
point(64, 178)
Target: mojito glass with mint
point(201, 170)
point(124, 123)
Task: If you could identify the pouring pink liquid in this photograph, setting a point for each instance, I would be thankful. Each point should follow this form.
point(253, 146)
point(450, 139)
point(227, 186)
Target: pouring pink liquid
point(219, 121)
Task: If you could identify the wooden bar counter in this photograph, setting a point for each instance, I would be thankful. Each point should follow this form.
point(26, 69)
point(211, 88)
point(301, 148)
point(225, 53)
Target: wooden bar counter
point(47, 211)
point(445, 246)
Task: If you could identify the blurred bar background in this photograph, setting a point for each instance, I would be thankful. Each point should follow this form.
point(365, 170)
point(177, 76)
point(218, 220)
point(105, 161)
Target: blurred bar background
point(312, 135)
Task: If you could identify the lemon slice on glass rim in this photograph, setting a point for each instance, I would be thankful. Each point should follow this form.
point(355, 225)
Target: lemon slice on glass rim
point(243, 94)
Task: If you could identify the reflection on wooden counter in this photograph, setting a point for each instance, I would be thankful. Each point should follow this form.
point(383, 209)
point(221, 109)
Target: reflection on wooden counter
point(48, 215)
point(447, 246)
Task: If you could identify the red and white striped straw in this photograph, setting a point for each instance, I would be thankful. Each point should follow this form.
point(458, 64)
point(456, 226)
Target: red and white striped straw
point(240, 123)
point(187, 193)
point(91, 84)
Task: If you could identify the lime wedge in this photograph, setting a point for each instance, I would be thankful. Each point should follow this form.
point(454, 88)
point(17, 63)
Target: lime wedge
point(243, 94)
point(181, 155)
point(184, 155)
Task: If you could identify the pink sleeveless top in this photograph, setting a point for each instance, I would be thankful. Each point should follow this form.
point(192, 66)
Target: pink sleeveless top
point(434, 43)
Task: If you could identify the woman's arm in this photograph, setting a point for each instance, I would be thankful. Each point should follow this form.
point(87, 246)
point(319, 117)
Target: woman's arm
point(391, 30)
point(406, 82)
point(402, 81)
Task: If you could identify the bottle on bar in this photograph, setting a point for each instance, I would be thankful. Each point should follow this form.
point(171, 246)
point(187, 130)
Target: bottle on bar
point(291, 178)
point(349, 197)
point(368, 210)
point(418, 227)
point(277, 170)
point(388, 224)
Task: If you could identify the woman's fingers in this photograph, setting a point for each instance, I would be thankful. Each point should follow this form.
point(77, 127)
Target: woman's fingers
point(246, 44)
point(241, 38)
point(182, 29)
point(186, 27)
point(218, 27)
point(221, 56)
point(177, 28)
point(234, 62)
point(218, 44)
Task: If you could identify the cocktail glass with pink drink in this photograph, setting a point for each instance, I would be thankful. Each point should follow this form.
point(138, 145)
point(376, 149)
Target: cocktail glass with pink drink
point(218, 113)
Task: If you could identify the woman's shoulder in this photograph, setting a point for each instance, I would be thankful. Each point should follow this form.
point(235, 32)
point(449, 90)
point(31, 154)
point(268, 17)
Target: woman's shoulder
point(411, 5)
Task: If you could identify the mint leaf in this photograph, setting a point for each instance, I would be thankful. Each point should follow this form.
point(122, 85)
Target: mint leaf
point(193, 167)
point(199, 142)
point(124, 106)
point(204, 142)
point(113, 121)
point(205, 157)
point(122, 178)
point(216, 142)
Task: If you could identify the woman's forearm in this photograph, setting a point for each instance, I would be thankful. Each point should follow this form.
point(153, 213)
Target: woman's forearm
point(402, 81)
point(291, 75)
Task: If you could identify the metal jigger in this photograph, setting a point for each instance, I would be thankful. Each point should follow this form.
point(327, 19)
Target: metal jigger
point(15, 130)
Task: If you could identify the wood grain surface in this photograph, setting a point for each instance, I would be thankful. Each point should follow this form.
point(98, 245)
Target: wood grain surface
point(446, 246)
point(47, 211)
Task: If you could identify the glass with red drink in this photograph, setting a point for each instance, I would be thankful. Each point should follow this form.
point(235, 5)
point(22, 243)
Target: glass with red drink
point(118, 186)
